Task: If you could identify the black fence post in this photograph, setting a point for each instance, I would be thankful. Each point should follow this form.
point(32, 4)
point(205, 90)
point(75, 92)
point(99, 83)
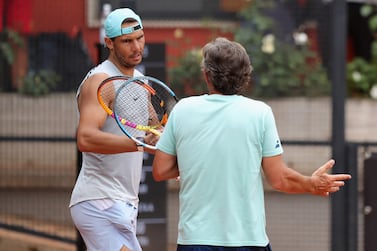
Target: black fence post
point(338, 38)
point(352, 195)
point(80, 245)
point(370, 202)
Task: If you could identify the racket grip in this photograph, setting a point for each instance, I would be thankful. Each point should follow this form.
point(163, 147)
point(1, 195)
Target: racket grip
point(155, 132)
point(141, 139)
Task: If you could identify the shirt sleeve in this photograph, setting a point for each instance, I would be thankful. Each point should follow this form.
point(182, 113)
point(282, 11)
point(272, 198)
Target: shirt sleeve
point(271, 141)
point(167, 141)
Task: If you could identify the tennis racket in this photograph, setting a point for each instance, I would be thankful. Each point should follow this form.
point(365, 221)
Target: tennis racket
point(106, 92)
point(139, 105)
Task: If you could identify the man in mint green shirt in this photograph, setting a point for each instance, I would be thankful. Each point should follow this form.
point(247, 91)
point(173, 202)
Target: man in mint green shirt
point(218, 144)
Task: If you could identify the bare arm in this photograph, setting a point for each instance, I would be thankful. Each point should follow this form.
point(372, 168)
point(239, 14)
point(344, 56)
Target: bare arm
point(165, 166)
point(90, 138)
point(285, 179)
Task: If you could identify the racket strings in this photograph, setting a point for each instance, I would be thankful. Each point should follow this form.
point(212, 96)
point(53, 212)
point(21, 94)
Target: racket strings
point(138, 105)
point(106, 94)
point(162, 102)
point(132, 108)
point(141, 105)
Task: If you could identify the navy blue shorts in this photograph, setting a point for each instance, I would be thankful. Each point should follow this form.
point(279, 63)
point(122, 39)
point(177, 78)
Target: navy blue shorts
point(216, 248)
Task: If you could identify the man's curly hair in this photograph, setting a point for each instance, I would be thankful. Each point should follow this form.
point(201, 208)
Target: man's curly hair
point(227, 66)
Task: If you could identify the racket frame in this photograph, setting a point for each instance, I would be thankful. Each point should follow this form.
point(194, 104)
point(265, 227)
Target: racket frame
point(102, 85)
point(123, 123)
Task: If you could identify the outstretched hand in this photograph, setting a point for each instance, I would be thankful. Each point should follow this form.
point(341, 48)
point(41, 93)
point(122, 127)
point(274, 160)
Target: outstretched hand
point(324, 183)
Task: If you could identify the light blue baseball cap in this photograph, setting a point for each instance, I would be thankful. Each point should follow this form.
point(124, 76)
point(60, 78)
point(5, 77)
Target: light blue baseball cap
point(113, 22)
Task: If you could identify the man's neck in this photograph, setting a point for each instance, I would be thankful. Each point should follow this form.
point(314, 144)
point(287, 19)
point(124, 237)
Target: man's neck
point(127, 71)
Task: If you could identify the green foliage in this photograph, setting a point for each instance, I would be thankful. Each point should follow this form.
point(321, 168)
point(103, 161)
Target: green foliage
point(40, 83)
point(369, 11)
point(361, 76)
point(8, 39)
point(362, 73)
point(186, 79)
point(281, 68)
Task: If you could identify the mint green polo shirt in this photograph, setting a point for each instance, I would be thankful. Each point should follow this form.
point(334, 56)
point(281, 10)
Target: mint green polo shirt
point(219, 141)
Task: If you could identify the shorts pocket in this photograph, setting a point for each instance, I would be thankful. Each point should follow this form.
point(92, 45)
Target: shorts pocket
point(124, 216)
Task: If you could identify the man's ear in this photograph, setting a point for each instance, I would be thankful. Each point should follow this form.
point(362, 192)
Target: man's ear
point(208, 82)
point(205, 74)
point(108, 43)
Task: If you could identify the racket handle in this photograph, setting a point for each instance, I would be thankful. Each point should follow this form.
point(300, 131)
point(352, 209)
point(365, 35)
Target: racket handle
point(140, 147)
point(155, 132)
point(141, 139)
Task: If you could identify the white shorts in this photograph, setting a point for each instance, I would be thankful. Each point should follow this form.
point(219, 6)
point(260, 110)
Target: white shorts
point(109, 229)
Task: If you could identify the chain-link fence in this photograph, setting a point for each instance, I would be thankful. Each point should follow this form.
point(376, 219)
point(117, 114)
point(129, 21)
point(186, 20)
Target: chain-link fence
point(39, 159)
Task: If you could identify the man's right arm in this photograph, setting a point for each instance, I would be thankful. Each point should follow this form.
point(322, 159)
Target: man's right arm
point(90, 137)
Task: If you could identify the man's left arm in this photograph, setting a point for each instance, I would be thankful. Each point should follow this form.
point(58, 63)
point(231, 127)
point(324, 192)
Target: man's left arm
point(165, 166)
